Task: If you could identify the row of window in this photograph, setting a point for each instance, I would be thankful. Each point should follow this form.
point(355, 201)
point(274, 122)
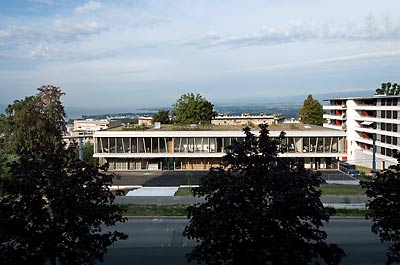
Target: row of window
point(389, 114)
point(210, 144)
point(387, 151)
point(388, 139)
point(389, 101)
point(390, 127)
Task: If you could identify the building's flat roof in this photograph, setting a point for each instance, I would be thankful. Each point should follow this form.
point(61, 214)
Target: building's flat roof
point(371, 97)
point(211, 127)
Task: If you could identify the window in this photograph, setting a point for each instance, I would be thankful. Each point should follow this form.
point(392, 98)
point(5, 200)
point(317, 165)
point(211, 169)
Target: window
point(394, 140)
point(389, 140)
point(394, 127)
point(382, 102)
point(388, 127)
point(389, 102)
point(395, 102)
point(388, 114)
point(383, 127)
point(383, 138)
point(382, 114)
point(382, 151)
point(388, 152)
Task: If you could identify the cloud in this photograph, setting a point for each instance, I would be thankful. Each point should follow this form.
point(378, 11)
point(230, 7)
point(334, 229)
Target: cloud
point(368, 29)
point(89, 6)
point(47, 2)
point(345, 58)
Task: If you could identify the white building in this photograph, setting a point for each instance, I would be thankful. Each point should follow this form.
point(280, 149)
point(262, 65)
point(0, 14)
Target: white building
point(169, 148)
point(90, 125)
point(362, 118)
point(248, 119)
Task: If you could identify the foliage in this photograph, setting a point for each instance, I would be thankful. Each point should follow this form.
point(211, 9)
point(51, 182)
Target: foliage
point(55, 206)
point(87, 154)
point(36, 120)
point(54, 210)
point(384, 208)
point(162, 116)
point(388, 89)
point(311, 112)
point(259, 208)
point(193, 109)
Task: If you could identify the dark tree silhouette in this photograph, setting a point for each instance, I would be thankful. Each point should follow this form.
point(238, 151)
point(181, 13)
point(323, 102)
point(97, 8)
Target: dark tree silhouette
point(259, 209)
point(384, 208)
point(56, 208)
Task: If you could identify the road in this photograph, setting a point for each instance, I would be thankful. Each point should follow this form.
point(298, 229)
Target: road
point(159, 241)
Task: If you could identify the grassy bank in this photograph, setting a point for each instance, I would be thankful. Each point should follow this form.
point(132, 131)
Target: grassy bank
point(337, 189)
point(154, 210)
point(180, 210)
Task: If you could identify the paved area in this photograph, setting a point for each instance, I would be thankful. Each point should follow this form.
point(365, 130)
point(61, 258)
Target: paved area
point(164, 200)
point(176, 178)
point(153, 191)
point(158, 178)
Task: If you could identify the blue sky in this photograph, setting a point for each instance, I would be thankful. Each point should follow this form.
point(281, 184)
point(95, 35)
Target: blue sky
point(123, 55)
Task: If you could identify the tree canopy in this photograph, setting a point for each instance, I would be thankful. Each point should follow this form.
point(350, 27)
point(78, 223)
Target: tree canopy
point(388, 89)
point(384, 208)
point(311, 112)
point(259, 209)
point(193, 109)
point(162, 116)
point(55, 208)
point(36, 120)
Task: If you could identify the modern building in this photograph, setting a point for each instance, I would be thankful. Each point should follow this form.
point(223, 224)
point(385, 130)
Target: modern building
point(362, 118)
point(248, 119)
point(170, 148)
point(90, 125)
point(145, 120)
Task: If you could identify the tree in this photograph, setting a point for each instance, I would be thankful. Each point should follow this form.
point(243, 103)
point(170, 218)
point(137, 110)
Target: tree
point(384, 208)
point(259, 209)
point(388, 89)
point(55, 206)
point(87, 154)
point(193, 109)
point(162, 116)
point(311, 112)
point(36, 120)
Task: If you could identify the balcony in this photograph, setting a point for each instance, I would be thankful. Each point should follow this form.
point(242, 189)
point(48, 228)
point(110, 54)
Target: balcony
point(334, 107)
point(335, 117)
point(335, 127)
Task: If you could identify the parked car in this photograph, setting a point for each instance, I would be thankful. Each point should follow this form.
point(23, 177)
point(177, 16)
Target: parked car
point(349, 169)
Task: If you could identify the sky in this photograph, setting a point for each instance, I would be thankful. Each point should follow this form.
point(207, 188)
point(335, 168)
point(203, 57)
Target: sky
point(124, 55)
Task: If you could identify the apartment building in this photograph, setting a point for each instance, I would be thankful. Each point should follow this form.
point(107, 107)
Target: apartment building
point(363, 118)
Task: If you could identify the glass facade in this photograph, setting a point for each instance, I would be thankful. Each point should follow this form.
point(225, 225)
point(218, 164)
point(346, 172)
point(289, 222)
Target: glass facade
point(160, 145)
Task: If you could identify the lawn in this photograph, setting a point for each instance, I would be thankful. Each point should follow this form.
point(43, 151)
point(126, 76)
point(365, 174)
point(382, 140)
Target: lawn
point(153, 210)
point(180, 210)
point(186, 191)
point(337, 189)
